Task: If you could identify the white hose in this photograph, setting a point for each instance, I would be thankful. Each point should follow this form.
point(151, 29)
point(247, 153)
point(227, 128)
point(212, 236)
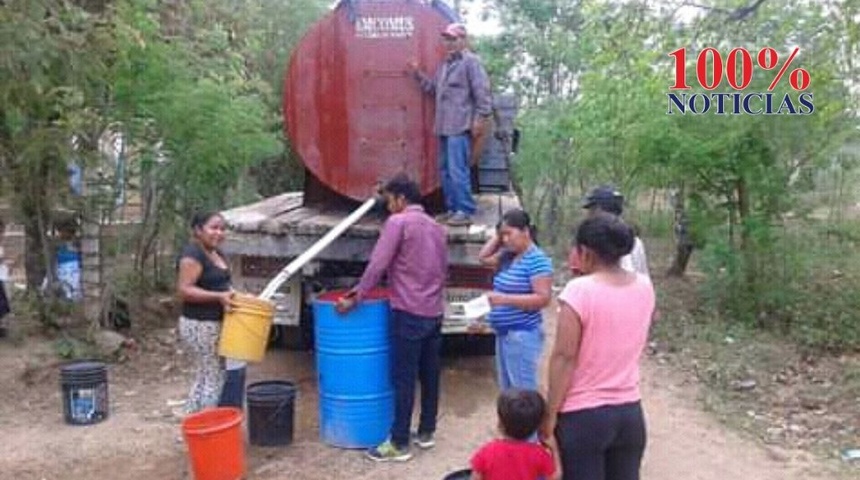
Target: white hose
point(315, 249)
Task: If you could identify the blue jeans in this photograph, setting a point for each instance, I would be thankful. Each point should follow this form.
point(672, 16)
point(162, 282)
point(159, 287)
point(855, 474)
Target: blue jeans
point(456, 175)
point(415, 345)
point(517, 357)
point(233, 392)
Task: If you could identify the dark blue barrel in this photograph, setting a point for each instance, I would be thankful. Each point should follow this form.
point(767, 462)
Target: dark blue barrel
point(84, 385)
point(353, 354)
point(271, 411)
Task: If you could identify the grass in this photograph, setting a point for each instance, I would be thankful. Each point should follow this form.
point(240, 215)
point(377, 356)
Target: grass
point(764, 383)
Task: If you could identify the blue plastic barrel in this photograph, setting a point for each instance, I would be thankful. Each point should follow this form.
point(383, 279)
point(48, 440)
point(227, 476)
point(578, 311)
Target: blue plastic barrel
point(356, 403)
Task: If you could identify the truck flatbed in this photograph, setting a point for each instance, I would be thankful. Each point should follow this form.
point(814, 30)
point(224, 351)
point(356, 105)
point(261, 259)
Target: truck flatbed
point(281, 226)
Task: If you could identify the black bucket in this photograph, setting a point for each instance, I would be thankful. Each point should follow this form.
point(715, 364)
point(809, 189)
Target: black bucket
point(464, 474)
point(271, 407)
point(85, 392)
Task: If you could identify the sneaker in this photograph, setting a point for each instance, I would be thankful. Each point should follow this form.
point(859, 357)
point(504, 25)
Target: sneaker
point(459, 219)
point(388, 452)
point(424, 440)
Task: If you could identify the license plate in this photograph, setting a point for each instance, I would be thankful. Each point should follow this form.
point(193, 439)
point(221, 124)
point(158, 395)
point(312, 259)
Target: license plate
point(454, 321)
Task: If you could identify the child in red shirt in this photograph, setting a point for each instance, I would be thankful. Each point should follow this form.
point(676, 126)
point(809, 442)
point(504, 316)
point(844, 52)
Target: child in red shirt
point(516, 456)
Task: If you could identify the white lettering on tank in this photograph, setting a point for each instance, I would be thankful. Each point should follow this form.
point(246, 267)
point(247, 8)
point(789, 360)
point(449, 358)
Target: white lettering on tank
point(384, 27)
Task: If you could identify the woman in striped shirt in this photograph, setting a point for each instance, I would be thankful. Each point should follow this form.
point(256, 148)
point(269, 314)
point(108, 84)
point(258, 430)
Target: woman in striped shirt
point(521, 289)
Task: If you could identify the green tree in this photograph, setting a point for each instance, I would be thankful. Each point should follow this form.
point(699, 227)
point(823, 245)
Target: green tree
point(193, 87)
point(736, 178)
point(53, 64)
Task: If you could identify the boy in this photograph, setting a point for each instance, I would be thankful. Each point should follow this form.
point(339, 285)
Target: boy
point(516, 456)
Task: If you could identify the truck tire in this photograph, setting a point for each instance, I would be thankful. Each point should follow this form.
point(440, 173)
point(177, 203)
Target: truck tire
point(468, 345)
point(289, 337)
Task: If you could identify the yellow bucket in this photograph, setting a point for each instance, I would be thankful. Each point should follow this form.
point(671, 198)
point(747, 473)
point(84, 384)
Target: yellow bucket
point(245, 331)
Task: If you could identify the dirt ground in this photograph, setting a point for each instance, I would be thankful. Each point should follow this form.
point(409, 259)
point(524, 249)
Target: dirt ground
point(139, 440)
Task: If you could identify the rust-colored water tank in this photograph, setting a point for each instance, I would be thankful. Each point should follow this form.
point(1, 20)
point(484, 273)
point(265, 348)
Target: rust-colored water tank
point(352, 109)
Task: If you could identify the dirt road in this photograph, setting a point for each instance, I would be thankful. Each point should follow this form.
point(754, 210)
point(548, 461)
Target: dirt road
point(138, 441)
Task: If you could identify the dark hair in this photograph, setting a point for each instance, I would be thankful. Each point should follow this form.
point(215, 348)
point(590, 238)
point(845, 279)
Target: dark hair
point(520, 412)
point(607, 235)
point(401, 184)
point(519, 219)
point(202, 218)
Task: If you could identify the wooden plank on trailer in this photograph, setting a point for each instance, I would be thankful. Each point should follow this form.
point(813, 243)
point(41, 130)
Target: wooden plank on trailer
point(290, 246)
point(300, 225)
point(343, 249)
point(288, 222)
point(320, 224)
point(249, 218)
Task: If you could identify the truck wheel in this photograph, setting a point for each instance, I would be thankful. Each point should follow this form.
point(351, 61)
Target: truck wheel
point(468, 345)
point(291, 338)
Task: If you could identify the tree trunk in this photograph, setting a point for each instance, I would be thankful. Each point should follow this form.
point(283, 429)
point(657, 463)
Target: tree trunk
point(683, 242)
point(553, 214)
point(149, 226)
point(36, 216)
point(538, 212)
point(683, 252)
point(747, 249)
point(743, 212)
point(34, 263)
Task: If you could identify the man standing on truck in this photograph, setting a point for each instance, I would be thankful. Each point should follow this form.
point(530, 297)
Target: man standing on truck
point(412, 250)
point(463, 107)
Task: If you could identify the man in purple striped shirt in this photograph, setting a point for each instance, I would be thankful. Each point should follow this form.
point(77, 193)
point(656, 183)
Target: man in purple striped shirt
point(412, 250)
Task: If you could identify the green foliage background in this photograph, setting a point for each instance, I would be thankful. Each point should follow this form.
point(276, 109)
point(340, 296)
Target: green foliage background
point(757, 190)
point(194, 88)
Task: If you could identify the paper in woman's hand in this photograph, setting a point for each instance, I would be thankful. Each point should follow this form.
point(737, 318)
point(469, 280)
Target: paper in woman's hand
point(473, 309)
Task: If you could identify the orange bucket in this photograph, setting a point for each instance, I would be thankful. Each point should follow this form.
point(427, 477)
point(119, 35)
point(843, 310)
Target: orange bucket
point(216, 448)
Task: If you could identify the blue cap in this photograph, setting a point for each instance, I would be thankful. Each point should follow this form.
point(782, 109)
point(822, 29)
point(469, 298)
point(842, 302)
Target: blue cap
point(605, 197)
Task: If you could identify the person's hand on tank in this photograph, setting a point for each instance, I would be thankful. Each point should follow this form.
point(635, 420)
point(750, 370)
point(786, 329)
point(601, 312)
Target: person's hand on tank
point(346, 303)
point(479, 127)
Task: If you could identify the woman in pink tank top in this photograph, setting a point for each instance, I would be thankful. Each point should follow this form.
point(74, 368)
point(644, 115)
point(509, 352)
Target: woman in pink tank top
point(603, 321)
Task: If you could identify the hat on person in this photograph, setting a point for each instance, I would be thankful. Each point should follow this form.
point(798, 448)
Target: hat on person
point(606, 198)
point(454, 30)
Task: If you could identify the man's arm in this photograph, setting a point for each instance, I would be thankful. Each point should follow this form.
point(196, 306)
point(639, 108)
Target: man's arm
point(383, 253)
point(640, 260)
point(427, 84)
point(490, 252)
point(479, 84)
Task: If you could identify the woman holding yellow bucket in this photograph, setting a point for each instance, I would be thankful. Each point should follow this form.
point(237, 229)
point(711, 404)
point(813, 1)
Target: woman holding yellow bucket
point(205, 290)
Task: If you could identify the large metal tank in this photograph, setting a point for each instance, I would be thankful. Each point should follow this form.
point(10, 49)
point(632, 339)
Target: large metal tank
point(352, 109)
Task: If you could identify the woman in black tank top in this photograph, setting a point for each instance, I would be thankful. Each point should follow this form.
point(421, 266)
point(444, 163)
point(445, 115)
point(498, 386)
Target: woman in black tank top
point(204, 288)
